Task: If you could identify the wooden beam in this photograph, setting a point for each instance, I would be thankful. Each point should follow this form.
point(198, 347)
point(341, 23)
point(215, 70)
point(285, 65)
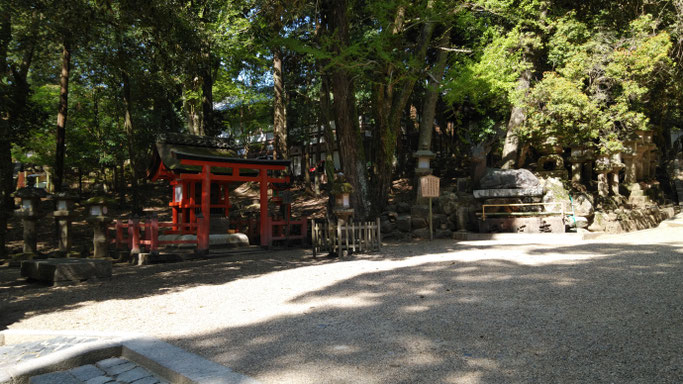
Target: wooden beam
point(265, 225)
point(234, 166)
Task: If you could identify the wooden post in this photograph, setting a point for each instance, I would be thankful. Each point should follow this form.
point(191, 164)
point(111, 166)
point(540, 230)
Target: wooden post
point(346, 236)
point(154, 234)
point(204, 225)
point(193, 218)
point(313, 228)
point(265, 227)
point(119, 234)
point(431, 226)
point(134, 233)
point(353, 236)
point(339, 239)
point(379, 235)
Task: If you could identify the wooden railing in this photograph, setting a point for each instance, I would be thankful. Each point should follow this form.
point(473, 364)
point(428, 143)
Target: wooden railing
point(483, 213)
point(289, 229)
point(135, 233)
point(355, 236)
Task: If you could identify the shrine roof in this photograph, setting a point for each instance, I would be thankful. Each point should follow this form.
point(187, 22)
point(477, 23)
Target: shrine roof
point(170, 149)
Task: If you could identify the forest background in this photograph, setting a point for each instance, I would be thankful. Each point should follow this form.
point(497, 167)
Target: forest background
point(86, 85)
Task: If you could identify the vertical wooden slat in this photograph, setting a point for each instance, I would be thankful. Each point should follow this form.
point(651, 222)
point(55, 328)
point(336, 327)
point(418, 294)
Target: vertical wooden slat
point(353, 236)
point(379, 235)
point(364, 244)
point(313, 236)
point(346, 236)
point(339, 239)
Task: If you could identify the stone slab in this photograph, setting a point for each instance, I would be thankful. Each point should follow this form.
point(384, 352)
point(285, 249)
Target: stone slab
point(86, 372)
point(54, 378)
point(501, 193)
point(58, 270)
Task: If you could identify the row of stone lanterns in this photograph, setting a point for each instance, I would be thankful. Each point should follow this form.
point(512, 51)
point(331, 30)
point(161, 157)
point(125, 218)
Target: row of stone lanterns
point(30, 212)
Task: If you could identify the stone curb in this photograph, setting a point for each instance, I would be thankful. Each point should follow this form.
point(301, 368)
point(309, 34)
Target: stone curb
point(165, 360)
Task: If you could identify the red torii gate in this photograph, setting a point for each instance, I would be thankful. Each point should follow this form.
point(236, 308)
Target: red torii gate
point(194, 168)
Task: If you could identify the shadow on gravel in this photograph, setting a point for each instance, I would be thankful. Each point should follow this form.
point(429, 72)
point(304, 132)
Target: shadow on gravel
point(614, 318)
point(20, 299)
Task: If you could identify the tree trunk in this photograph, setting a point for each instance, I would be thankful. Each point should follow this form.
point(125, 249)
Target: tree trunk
point(517, 119)
point(6, 166)
point(279, 111)
point(334, 15)
point(390, 100)
point(192, 109)
point(207, 94)
point(62, 115)
point(128, 127)
point(432, 95)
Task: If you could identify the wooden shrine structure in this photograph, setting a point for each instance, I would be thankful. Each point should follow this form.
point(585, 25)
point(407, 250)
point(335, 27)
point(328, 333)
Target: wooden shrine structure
point(202, 171)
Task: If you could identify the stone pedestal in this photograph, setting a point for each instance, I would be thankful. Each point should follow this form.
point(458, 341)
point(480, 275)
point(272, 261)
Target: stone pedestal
point(630, 168)
point(63, 229)
point(603, 184)
point(30, 235)
point(576, 172)
point(29, 213)
point(57, 271)
point(100, 243)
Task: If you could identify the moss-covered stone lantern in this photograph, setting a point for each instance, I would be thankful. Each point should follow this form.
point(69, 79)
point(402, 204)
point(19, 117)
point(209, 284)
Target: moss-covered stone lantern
point(341, 190)
point(30, 213)
point(98, 218)
point(64, 213)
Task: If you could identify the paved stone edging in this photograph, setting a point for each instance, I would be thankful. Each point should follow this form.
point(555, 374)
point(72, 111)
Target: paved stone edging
point(165, 360)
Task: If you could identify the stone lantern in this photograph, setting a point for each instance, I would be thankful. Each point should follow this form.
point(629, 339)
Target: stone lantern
point(64, 213)
point(424, 157)
point(341, 190)
point(30, 213)
point(98, 218)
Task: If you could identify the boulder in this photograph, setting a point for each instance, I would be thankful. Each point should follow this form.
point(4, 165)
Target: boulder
point(508, 179)
point(421, 211)
point(403, 223)
point(422, 233)
point(583, 205)
point(387, 226)
point(419, 222)
point(599, 222)
point(403, 207)
point(443, 234)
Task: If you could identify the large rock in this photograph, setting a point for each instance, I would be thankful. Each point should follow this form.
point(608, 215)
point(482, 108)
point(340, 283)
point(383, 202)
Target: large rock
point(554, 192)
point(508, 179)
point(419, 222)
point(388, 226)
point(63, 270)
point(583, 205)
point(421, 211)
point(422, 233)
point(403, 223)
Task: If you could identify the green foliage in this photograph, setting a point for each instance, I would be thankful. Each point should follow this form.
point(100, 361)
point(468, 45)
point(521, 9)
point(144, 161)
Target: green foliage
point(602, 84)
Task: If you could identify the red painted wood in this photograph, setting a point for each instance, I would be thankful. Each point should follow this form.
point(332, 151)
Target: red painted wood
point(235, 166)
point(203, 231)
point(266, 229)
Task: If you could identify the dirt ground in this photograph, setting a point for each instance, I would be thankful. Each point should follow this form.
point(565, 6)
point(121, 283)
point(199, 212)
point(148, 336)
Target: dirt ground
point(606, 311)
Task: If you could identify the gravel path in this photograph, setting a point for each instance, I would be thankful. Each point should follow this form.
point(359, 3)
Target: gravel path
point(607, 311)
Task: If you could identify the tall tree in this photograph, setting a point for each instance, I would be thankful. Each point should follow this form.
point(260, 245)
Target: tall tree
point(335, 21)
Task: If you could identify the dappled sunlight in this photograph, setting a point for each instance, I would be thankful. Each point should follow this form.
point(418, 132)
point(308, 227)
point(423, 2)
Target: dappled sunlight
point(416, 308)
point(423, 313)
point(473, 377)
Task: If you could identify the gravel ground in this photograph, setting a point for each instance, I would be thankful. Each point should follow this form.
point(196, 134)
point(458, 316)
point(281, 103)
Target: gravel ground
point(607, 311)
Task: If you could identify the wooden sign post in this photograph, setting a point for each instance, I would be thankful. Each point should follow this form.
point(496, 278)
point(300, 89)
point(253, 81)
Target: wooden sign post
point(429, 187)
